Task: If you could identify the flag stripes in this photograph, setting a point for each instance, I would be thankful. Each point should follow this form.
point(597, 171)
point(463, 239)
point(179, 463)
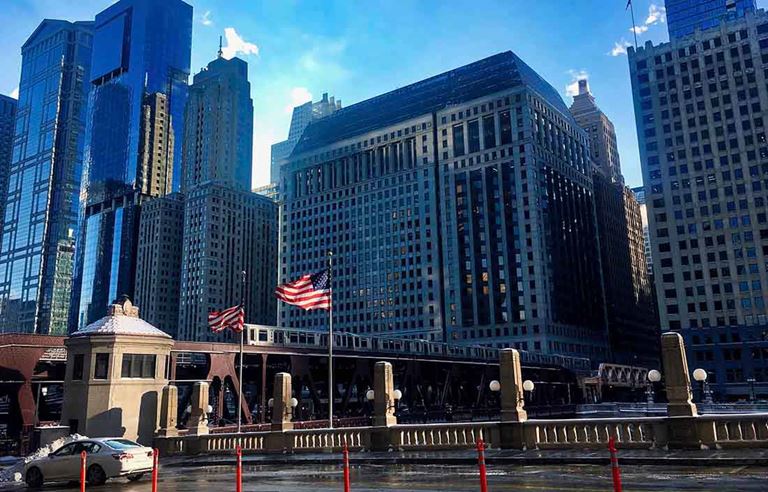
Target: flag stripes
point(308, 292)
point(232, 318)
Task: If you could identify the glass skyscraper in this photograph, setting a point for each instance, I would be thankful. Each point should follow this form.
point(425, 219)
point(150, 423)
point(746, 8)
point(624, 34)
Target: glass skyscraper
point(685, 16)
point(141, 47)
point(38, 236)
point(7, 122)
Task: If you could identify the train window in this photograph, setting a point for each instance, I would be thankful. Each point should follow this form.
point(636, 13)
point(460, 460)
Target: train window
point(263, 335)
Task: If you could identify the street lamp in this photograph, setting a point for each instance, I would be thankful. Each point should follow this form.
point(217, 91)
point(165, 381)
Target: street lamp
point(528, 385)
point(494, 386)
point(700, 375)
point(654, 376)
point(369, 395)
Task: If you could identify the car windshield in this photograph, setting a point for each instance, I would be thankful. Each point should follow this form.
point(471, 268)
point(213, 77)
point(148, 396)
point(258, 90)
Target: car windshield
point(121, 444)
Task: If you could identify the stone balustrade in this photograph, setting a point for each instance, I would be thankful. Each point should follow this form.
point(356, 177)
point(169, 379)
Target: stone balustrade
point(444, 436)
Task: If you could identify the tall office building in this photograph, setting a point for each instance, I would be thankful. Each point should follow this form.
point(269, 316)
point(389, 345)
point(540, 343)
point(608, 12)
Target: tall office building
point(302, 116)
point(459, 208)
point(602, 135)
point(41, 215)
point(639, 192)
point(158, 262)
point(701, 106)
point(141, 48)
point(227, 228)
point(634, 333)
point(685, 16)
point(7, 123)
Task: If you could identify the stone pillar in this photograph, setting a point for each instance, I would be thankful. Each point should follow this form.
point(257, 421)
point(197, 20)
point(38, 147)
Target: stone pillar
point(383, 398)
point(677, 379)
point(511, 379)
point(281, 403)
point(169, 405)
point(198, 423)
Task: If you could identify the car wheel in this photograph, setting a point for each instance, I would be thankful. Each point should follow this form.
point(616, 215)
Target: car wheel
point(134, 477)
point(95, 475)
point(34, 478)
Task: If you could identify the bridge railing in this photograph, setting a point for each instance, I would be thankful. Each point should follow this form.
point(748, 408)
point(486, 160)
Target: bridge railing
point(704, 431)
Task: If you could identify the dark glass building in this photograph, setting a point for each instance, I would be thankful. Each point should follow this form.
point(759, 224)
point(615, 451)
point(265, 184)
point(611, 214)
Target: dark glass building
point(685, 16)
point(7, 123)
point(41, 217)
point(141, 47)
point(459, 208)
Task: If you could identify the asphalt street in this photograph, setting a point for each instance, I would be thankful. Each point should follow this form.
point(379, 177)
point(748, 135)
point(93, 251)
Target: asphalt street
point(437, 478)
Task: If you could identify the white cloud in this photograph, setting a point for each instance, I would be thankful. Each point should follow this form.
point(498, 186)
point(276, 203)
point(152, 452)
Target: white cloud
point(205, 19)
point(237, 45)
point(620, 48)
point(656, 14)
point(638, 29)
point(15, 93)
point(572, 88)
point(298, 96)
point(323, 59)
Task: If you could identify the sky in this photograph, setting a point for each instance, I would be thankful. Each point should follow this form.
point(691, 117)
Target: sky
point(356, 49)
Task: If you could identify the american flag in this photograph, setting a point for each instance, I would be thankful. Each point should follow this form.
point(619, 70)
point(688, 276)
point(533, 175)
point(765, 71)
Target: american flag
point(308, 292)
point(232, 318)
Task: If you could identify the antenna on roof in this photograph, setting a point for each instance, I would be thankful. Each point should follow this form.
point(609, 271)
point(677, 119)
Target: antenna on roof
point(221, 50)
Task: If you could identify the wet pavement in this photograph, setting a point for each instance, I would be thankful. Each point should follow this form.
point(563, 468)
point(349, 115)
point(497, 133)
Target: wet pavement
point(435, 478)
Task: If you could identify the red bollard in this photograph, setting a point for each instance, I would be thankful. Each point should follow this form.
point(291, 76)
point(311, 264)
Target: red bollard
point(82, 470)
point(155, 463)
point(481, 465)
point(239, 475)
point(345, 453)
point(614, 465)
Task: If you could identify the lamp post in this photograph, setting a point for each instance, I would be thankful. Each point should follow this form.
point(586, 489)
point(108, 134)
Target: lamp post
point(700, 375)
point(528, 386)
point(654, 376)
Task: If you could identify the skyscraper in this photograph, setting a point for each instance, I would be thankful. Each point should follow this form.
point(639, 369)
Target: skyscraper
point(701, 107)
point(640, 197)
point(158, 261)
point(227, 228)
point(7, 123)
point(141, 48)
point(632, 326)
point(38, 235)
point(685, 16)
point(302, 116)
point(459, 208)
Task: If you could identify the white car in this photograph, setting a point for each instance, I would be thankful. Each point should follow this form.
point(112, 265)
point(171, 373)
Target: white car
point(106, 458)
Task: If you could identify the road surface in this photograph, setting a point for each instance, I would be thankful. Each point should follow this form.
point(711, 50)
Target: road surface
point(438, 478)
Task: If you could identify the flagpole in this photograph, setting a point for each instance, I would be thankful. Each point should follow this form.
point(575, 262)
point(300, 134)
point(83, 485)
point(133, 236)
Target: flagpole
point(330, 341)
point(634, 25)
point(240, 375)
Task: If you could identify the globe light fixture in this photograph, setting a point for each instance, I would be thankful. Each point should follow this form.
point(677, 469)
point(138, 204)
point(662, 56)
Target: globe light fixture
point(369, 395)
point(700, 375)
point(528, 385)
point(494, 386)
point(209, 409)
point(294, 402)
point(397, 394)
point(271, 402)
point(654, 376)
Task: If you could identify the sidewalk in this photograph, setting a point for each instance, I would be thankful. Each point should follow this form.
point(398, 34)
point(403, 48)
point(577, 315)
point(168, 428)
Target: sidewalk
point(746, 457)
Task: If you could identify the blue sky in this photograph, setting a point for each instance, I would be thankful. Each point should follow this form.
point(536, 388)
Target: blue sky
point(358, 49)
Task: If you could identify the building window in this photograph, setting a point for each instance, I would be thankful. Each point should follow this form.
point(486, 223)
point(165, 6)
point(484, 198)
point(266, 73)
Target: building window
point(458, 140)
point(77, 367)
point(474, 136)
point(138, 366)
point(102, 366)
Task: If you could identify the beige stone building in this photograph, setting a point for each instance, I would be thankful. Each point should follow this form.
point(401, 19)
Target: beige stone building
point(116, 369)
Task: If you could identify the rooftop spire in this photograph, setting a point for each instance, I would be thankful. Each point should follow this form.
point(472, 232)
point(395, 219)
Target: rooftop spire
point(221, 49)
point(583, 86)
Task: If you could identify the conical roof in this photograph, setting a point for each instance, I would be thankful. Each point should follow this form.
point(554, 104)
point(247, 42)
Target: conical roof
point(122, 319)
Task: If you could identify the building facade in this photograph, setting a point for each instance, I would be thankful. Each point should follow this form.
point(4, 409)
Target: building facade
point(685, 16)
point(302, 116)
point(7, 124)
point(445, 203)
point(158, 262)
point(142, 47)
point(701, 105)
point(41, 214)
point(639, 192)
point(634, 333)
point(227, 228)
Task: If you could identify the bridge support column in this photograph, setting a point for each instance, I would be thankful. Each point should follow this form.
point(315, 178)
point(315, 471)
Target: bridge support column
point(198, 423)
point(282, 412)
point(383, 395)
point(513, 412)
point(677, 379)
point(169, 405)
